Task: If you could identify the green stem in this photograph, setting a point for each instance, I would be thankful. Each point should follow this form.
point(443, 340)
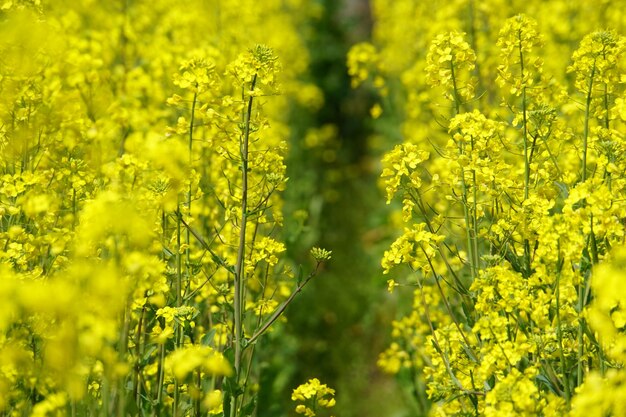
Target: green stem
point(179, 301)
point(122, 349)
point(176, 399)
point(239, 301)
point(179, 267)
point(74, 209)
point(191, 127)
point(475, 216)
point(582, 285)
point(525, 126)
point(455, 91)
point(281, 309)
point(559, 329)
point(526, 151)
point(137, 365)
point(468, 228)
point(435, 340)
point(586, 126)
point(468, 224)
point(474, 45)
point(581, 350)
point(160, 370)
point(606, 105)
point(160, 380)
point(460, 288)
point(470, 351)
point(106, 395)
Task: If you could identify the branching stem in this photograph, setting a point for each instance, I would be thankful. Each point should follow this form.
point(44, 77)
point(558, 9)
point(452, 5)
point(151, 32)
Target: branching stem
point(239, 301)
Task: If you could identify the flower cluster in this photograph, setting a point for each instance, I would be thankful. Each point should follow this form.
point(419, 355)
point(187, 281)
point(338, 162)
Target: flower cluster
point(597, 57)
point(363, 61)
point(518, 40)
point(416, 248)
point(321, 254)
point(400, 168)
point(450, 61)
point(313, 394)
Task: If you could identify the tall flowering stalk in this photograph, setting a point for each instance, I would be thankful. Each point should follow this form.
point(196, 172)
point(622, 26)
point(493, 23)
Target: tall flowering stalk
point(450, 62)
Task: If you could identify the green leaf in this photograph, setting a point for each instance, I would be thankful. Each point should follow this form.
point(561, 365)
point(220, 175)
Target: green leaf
point(207, 339)
point(562, 188)
point(545, 381)
point(146, 358)
point(248, 409)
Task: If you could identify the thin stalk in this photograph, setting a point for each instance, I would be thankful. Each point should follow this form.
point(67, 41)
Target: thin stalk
point(196, 401)
point(74, 209)
point(191, 127)
point(247, 374)
point(552, 157)
point(559, 329)
point(474, 45)
point(460, 288)
point(160, 370)
point(607, 174)
point(415, 391)
point(468, 225)
point(239, 301)
point(593, 243)
point(586, 125)
point(106, 397)
point(136, 387)
point(602, 360)
point(525, 125)
point(216, 258)
point(179, 273)
point(526, 150)
point(122, 349)
point(470, 246)
point(475, 215)
point(251, 355)
point(436, 344)
point(581, 349)
point(161, 378)
point(606, 105)
point(449, 309)
point(281, 309)
point(455, 91)
point(163, 233)
point(595, 260)
point(176, 399)
point(581, 287)
point(179, 300)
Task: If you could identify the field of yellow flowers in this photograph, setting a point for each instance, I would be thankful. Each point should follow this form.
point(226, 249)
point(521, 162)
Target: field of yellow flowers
point(149, 260)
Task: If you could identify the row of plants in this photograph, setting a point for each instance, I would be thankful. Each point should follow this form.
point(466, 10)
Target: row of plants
point(508, 184)
point(142, 164)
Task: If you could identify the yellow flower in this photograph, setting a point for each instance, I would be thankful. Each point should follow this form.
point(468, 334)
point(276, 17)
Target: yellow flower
point(213, 402)
point(183, 361)
point(376, 111)
point(450, 60)
point(312, 394)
